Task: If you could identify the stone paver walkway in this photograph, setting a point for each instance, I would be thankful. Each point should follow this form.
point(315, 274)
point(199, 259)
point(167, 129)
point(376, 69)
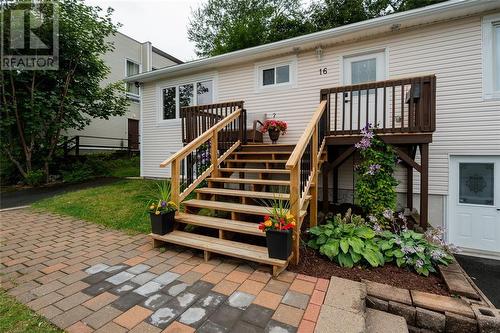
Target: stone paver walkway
point(85, 278)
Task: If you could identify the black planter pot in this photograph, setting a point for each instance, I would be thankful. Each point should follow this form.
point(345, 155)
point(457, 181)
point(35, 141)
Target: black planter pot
point(279, 243)
point(274, 135)
point(163, 223)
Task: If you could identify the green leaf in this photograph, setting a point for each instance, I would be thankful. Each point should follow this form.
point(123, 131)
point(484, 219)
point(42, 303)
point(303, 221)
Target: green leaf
point(400, 262)
point(371, 257)
point(345, 260)
point(344, 245)
point(330, 249)
point(356, 244)
point(356, 257)
point(365, 232)
point(398, 253)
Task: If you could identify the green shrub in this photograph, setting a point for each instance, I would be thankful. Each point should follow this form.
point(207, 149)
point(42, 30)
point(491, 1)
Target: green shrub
point(346, 243)
point(79, 174)
point(349, 240)
point(375, 188)
point(35, 177)
point(413, 250)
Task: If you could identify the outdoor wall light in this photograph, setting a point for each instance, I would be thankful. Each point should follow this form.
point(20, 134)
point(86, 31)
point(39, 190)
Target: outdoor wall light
point(319, 53)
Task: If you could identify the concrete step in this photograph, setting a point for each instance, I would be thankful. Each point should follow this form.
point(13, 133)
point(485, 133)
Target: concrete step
point(383, 322)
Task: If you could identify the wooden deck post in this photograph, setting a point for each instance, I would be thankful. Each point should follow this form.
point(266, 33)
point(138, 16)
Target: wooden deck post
point(313, 205)
point(214, 148)
point(424, 185)
point(409, 186)
point(175, 181)
point(295, 210)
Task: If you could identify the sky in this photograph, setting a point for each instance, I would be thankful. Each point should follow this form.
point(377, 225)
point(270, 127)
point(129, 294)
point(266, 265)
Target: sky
point(162, 22)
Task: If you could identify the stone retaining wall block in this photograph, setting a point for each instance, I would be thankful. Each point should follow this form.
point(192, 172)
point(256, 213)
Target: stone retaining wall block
point(488, 319)
point(431, 320)
point(459, 324)
point(403, 310)
point(377, 304)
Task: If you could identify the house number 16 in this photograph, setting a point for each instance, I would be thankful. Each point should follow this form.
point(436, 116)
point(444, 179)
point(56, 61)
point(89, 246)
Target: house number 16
point(323, 71)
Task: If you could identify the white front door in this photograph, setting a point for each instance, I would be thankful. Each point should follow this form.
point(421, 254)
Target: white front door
point(362, 69)
point(474, 222)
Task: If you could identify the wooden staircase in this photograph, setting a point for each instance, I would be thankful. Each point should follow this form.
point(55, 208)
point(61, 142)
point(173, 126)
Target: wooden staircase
point(234, 191)
point(237, 198)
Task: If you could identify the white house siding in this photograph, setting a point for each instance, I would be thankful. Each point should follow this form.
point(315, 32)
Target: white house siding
point(465, 124)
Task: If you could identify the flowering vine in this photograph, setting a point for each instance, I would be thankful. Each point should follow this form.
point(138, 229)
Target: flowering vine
point(375, 189)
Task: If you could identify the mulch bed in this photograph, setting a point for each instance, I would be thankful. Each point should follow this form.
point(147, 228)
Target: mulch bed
point(313, 264)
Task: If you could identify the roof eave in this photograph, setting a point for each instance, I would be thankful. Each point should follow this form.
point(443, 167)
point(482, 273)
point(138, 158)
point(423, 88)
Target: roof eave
point(427, 14)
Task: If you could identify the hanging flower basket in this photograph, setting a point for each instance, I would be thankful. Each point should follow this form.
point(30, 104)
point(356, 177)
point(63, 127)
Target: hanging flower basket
point(275, 128)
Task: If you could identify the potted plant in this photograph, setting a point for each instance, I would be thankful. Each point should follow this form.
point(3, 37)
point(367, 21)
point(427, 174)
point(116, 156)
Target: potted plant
point(162, 210)
point(278, 226)
point(274, 128)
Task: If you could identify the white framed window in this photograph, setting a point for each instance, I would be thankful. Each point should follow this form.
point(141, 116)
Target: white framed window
point(363, 68)
point(174, 97)
point(132, 68)
point(491, 56)
point(273, 75)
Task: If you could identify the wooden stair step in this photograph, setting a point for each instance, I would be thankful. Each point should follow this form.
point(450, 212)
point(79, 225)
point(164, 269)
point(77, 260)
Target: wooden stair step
point(263, 152)
point(232, 207)
point(228, 206)
point(219, 223)
point(255, 161)
point(250, 181)
point(242, 193)
point(255, 170)
point(220, 246)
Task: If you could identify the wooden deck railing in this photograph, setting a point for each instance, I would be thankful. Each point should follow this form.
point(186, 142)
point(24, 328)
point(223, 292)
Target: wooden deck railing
point(202, 156)
point(406, 105)
point(303, 165)
point(198, 119)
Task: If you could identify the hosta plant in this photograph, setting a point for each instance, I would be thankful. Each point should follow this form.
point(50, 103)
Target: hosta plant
point(348, 244)
point(413, 250)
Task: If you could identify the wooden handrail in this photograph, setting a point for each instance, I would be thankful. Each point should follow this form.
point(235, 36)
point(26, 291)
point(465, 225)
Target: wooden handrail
point(303, 182)
point(186, 150)
point(209, 135)
point(306, 136)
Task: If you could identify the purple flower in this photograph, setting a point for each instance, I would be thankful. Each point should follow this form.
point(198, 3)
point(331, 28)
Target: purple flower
point(419, 263)
point(377, 228)
point(388, 214)
point(402, 216)
point(163, 203)
point(365, 143)
point(373, 169)
point(372, 219)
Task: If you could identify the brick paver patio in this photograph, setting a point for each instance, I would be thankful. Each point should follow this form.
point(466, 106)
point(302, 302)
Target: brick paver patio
point(85, 278)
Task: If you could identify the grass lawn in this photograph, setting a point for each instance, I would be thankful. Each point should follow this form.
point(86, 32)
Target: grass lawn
point(120, 205)
point(18, 318)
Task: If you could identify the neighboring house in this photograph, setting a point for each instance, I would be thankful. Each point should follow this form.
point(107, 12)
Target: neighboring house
point(457, 41)
point(129, 57)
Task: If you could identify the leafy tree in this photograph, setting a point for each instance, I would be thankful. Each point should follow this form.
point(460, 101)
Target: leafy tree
point(39, 106)
point(221, 26)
